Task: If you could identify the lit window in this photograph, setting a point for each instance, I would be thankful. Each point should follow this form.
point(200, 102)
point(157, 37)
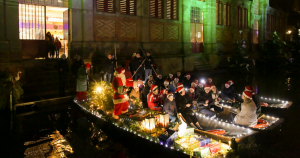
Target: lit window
point(245, 18)
point(128, 7)
point(239, 17)
point(172, 10)
point(227, 14)
point(105, 6)
point(219, 13)
point(156, 9)
point(31, 22)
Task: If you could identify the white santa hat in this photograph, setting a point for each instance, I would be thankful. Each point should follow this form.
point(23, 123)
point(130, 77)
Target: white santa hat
point(170, 94)
point(179, 85)
point(192, 88)
point(179, 89)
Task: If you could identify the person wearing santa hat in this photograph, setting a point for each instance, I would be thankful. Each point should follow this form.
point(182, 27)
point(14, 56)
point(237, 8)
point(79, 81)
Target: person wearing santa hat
point(191, 93)
point(166, 85)
point(209, 82)
point(216, 99)
point(163, 96)
point(170, 78)
point(187, 81)
point(255, 98)
point(170, 107)
point(199, 89)
point(153, 99)
point(150, 78)
point(145, 92)
point(120, 86)
point(246, 116)
point(227, 93)
point(205, 102)
point(232, 88)
point(159, 81)
point(173, 85)
point(184, 106)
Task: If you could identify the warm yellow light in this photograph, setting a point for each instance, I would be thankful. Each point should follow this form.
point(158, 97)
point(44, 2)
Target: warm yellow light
point(98, 89)
point(289, 32)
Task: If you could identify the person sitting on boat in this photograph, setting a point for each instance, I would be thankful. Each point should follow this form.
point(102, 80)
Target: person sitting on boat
point(153, 99)
point(205, 102)
point(120, 86)
point(247, 114)
point(184, 106)
point(216, 99)
point(170, 107)
point(166, 85)
point(199, 88)
point(170, 78)
point(191, 93)
point(163, 96)
point(227, 93)
point(174, 84)
point(209, 82)
point(232, 88)
point(255, 98)
point(187, 81)
point(150, 78)
point(145, 93)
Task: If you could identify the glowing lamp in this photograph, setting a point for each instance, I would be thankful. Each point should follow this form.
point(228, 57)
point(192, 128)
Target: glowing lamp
point(203, 81)
point(98, 90)
point(163, 120)
point(149, 124)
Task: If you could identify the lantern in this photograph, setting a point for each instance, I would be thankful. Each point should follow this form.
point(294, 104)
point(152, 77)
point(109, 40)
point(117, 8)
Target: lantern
point(163, 120)
point(149, 124)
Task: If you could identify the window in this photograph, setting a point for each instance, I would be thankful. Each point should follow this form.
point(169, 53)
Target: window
point(156, 9)
point(31, 22)
point(255, 31)
point(245, 18)
point(128, 7)
point(196, 15)
point(239, 17)
point(105, 6)
point(227, 14)
point(172, 11)
point(219, 13)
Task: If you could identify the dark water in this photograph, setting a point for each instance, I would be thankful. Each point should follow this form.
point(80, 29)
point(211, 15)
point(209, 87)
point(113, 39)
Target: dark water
point(90, 138)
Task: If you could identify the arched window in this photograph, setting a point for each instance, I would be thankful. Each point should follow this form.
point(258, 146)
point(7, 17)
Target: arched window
point(219, 12)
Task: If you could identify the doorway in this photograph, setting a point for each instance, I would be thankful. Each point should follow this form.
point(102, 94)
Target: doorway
point(196, 30)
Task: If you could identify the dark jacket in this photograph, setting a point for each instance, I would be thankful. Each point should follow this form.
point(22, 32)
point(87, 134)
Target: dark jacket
point(170, 107)
point(256, 100)
point(187, 83)
point(135, 63)
point(63, 65)
point(159, 83)
point(202, 98)
point(149, 62)
point(76, 65)
point(180, 78)
point(181, 102)
point(233, 91)
point(108, 65)
point(227, 92)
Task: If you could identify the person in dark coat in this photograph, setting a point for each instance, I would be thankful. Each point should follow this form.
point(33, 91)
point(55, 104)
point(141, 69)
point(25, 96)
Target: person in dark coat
point(179, 76)
point(170, 78)
point(63, 69)
point(148, 65)
point(232, 88)
point(255, 98)
point(159, 81)
point(184, 106)
point(145, 93)
point(108, 67)
point(227, 93)
point(136, 64)
point(77, 63)
point(205, 102)
point(187, 82)
point(170, 107)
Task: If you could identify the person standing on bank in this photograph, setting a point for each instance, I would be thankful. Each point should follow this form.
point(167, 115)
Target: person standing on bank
point(148, 65)
point(108, 66)
point(136, 65)
point(82, 83)
point(63, 69)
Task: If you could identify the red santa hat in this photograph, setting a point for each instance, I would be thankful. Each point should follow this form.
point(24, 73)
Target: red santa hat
point(179, 89)
point(158, 75)
point(249, 89)
point(170, 94)
point(163, 91)
point(247, 94)
point(231, 82)
point(88, 66)
point(192, 89)
point(188, 75)
point(207, 87)
point(179, 85)
point(227, 84)
point(167, 82)
point(153, 87)
point(119, 70)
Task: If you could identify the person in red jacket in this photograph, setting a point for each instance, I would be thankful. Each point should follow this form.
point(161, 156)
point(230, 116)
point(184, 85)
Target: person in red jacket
point(120, 86)
point(153, 99)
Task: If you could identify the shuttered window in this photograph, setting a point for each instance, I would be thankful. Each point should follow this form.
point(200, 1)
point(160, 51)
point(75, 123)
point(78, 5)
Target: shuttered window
point(245, 18)
point(128, 7)
point(227, 14)
point(157, 8)
point(105, 6)
point(219, 13)
point(239, 17)
point(172, 9)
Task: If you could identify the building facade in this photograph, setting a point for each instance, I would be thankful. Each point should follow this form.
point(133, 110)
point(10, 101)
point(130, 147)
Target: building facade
point(180, 34)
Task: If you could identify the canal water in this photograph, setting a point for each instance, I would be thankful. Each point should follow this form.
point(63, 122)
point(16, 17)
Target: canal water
point(87, 140)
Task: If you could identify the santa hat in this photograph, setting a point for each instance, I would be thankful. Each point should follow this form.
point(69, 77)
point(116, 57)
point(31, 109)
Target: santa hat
point(193, 89)
point(166, 82)
point(209, 79)
point(188, 75)
point(249, 89)
point(170, 94)
point(153, 87)
point(207, 87)
point(163, 91)
point(193, 84)
point(231, 82)
point(158, 75)
point(247, 94)
point(119, 71)
point(179, 85)
point(179, 89)
point(227, 84)
point(88, 66)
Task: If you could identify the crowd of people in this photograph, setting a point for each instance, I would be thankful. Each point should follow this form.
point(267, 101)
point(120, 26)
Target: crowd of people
point(53, 45)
